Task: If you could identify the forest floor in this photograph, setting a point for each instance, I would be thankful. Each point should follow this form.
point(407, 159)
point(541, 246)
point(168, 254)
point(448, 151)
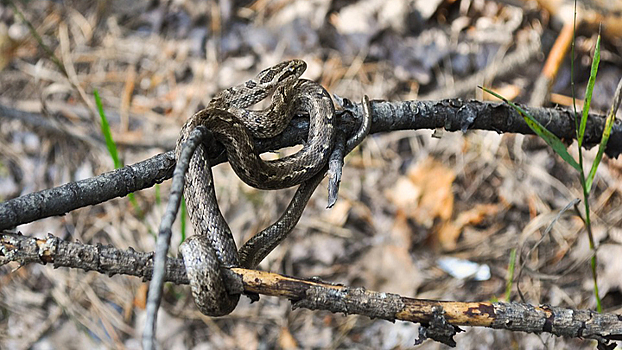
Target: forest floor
point(410, 201)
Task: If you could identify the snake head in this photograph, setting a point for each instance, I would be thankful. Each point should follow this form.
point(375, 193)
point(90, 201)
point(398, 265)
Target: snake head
point(283, 73)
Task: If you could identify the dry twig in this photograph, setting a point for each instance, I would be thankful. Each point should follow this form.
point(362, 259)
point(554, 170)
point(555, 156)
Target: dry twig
point(439, 319)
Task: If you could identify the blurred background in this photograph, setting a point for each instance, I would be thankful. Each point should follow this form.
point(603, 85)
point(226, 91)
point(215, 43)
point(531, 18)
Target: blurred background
point(421, 213)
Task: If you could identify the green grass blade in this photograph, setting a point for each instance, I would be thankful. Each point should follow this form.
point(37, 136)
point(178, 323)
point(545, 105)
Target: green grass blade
point(112, 147)
point(511, 268)
point(158, 198)
point(548, 137)
point(588, 92)
point(182, 219)
point(611, 117)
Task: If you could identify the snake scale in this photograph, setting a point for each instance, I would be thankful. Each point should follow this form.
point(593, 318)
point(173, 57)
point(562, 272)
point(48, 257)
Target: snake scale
point(232, 124)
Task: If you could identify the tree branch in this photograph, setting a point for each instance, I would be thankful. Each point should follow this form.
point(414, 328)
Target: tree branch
point(452, 115)
point(439, 319)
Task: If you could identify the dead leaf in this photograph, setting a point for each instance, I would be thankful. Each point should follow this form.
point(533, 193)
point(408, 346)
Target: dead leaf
point(286, 339)
point(140, 299)
point(425, 193)
point(449, 232)
point(448, 235)
point(404, 195)
point(338, 215)
point(388, 266)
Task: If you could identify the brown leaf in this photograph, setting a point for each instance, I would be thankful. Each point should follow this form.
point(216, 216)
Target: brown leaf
point(433, 182)
point(286, 339)
point(338, 215)
point(388, 266)
point(449, 232)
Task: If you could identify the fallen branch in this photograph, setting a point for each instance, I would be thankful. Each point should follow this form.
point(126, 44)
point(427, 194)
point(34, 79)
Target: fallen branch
point(440, 319)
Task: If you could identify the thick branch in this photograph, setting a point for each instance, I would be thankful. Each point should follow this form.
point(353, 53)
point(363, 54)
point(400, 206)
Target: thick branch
point(440, 318)
point(457, 115)
point(453, 115)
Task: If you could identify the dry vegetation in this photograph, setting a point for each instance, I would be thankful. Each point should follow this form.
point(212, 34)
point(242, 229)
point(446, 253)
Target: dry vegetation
point(408, 200)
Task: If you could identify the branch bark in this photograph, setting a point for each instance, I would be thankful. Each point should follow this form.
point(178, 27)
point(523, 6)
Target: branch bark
point(452, 115)
point(440, 319)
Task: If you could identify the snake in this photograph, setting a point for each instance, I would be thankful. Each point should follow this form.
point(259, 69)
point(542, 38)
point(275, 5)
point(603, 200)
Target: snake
point(231, 123)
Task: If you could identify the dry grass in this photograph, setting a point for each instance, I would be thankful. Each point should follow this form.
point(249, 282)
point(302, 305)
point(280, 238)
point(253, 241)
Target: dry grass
point(407, 199)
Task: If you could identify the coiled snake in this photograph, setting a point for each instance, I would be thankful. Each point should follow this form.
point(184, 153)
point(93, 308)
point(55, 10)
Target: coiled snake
point(234, 126)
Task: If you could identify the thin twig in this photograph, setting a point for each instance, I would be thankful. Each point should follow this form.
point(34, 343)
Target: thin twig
point(165, 233)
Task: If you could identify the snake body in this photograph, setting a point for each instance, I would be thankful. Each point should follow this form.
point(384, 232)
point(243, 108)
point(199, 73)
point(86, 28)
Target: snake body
point(232, 124)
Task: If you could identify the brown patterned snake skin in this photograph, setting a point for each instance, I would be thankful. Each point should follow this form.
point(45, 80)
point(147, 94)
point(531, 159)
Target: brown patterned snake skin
point(231, 124)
